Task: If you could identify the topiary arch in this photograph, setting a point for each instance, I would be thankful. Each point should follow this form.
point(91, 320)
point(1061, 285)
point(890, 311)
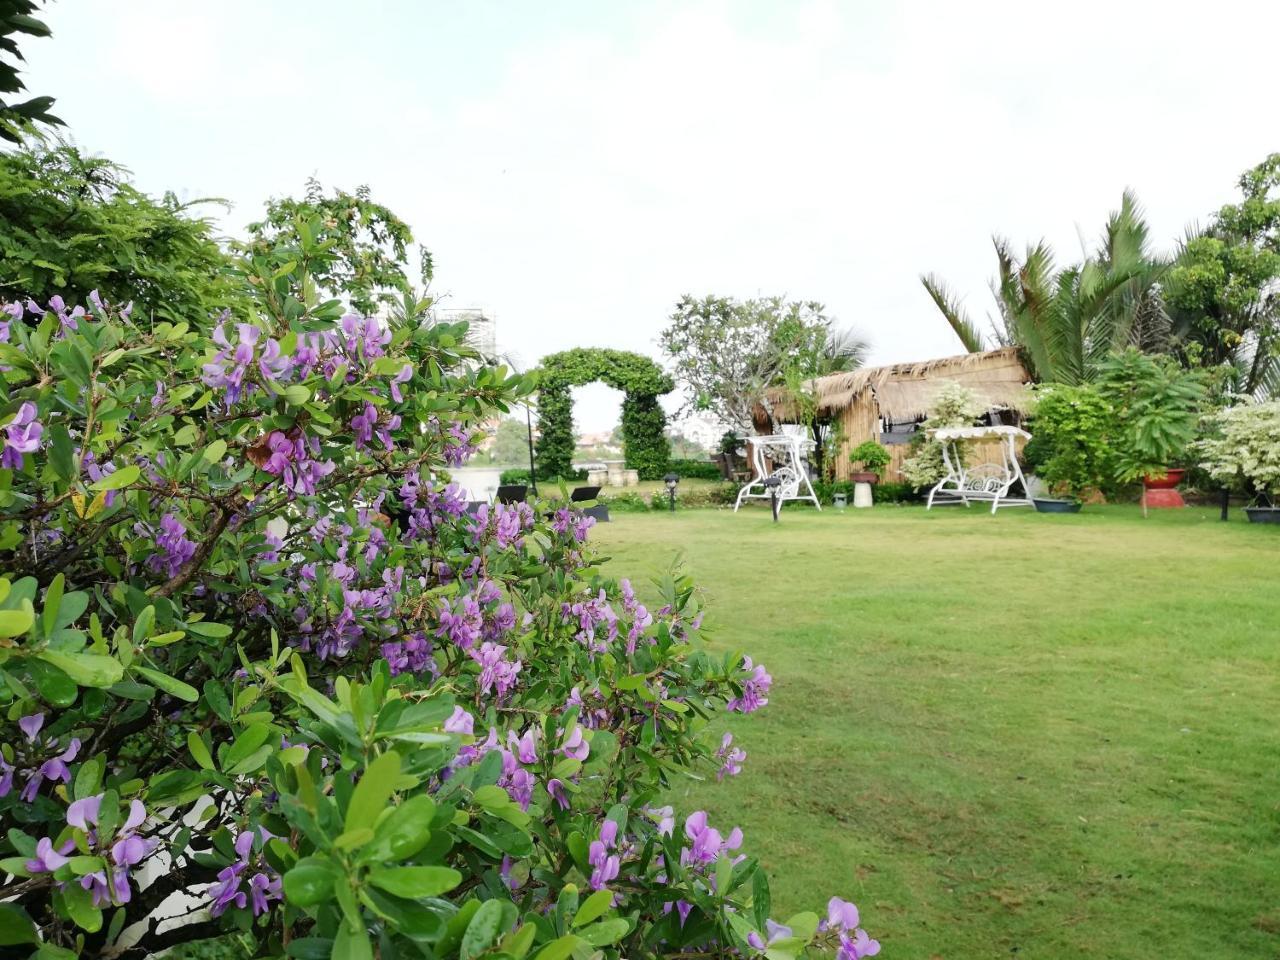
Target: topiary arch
point(643, 421)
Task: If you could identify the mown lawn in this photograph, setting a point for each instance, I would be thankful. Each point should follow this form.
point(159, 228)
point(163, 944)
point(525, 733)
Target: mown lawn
point(1014, 736)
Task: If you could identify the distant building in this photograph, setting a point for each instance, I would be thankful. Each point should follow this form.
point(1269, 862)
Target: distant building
point(703, 429)
point(483, 333)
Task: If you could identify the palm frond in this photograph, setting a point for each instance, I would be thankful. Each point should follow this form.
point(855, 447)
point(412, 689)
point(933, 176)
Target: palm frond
point(952, 309)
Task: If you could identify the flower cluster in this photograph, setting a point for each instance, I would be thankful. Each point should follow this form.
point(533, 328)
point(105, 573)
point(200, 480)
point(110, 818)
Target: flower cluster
point(126, 849)
point(35, 759)
point(263, 886)
point(21, 436)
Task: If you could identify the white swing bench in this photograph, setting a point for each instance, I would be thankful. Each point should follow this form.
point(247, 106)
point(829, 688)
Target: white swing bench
point(786, 453)
point(983, 481)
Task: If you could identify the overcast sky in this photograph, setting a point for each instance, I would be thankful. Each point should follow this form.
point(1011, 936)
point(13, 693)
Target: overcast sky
point(576, 167)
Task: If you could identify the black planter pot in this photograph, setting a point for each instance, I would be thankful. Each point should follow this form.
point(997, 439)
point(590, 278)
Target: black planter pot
point(1054, 505)
point(1263, 514)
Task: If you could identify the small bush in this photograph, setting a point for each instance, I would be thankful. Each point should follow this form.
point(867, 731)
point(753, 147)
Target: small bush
point(695, 469)
point(521, 475)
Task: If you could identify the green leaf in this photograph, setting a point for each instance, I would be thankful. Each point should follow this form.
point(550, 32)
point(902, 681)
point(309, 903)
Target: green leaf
point(168, 684)
point(213, 631)
point(296, 394)
point(245, 744)
point(14, 623)
point(414, 883)
point(16, 926)
point(199, 751)
point(86, 669)
point(80, 908)
point(606, 932)
point(118, 480)
point(142, 626)
point(52, 602)
point(309, 882)
point(215, 451)
point(483, 929)
point(558, 949)
point(373, 791)
point(593, 908)
point(405, 830)
point(61, 452)
point(89, 777)
point(352, 943)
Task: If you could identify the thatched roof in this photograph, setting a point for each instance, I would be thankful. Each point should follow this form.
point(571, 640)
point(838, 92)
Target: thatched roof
point(905, 391)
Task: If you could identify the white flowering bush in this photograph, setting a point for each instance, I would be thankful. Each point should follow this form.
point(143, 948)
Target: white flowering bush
point(1244, 444)
point(954, 405)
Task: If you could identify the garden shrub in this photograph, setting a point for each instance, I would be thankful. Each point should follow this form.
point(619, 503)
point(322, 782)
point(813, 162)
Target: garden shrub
point(695, 469)
point(953, 406)
point(521, 475)
point(256, 653)
point(1073, 426)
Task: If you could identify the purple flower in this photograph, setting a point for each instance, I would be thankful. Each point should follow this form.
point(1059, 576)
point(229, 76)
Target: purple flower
point(31, 725)
point(22, 436)
point(665, 818)
point(574, 744)
point(841, 914)
point(731, 758)
point(84, 813)
point(263, 889)
point(605, 866)
point(54, 768)
point(48, 859)
point(460, 722)
point(526, 747)
point(173, 547)
point(495, 671)
point(226, 891)
point(404, 376)
point(754, 689)
point(556, 789)
point(857, 946)
point(707, 844)
point(775, 932)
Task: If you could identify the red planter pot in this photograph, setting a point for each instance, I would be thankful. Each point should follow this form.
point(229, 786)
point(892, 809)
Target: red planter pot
point(1160, 490)
point(864, 477)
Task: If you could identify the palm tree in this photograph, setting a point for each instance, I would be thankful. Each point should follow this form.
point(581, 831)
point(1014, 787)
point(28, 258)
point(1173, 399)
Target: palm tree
point(1067, 321)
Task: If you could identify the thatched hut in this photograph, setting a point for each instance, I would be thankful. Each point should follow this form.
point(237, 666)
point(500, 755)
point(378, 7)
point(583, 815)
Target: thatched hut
point(889, 404)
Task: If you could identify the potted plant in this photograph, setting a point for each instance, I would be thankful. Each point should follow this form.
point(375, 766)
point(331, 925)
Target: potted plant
point(1156, 404)
point(1245, 446)
point(1070, 428)
point(870, 458)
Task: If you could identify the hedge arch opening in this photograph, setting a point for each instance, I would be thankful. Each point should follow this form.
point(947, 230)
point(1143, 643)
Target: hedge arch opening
point(644, 422)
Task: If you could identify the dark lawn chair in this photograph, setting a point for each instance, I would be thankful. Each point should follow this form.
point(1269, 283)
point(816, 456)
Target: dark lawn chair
point(583, 494)
point(513, 493)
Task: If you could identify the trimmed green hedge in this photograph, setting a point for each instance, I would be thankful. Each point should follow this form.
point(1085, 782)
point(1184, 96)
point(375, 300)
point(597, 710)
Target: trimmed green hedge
point(695, 469)
point(521, 475)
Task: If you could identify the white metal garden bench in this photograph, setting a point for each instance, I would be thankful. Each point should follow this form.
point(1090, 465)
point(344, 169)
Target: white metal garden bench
point(983, 481)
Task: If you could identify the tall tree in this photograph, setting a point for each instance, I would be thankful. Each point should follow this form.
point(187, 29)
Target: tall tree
point(727, 352)
point(19, 117)
point(1068, 320)
point(1222, 288)
point(368, 244)
point(71, 224)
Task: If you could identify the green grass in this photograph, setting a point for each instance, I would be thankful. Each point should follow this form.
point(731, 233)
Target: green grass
point(1014, 736)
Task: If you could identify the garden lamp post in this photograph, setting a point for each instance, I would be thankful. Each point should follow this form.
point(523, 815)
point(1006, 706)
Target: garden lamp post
point(671, 480)
point(773, 483)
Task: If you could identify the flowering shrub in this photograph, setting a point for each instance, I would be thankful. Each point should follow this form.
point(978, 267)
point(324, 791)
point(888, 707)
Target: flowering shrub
point(953, 406)
point(263, 671)
point(1245, 445)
